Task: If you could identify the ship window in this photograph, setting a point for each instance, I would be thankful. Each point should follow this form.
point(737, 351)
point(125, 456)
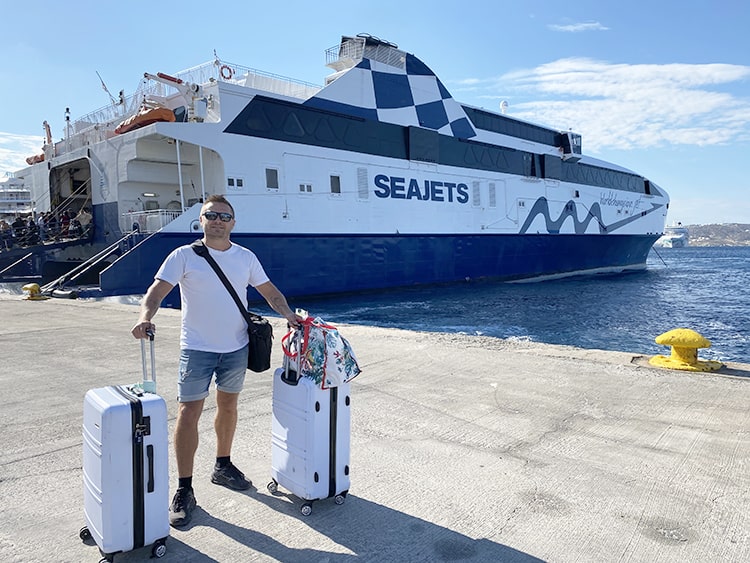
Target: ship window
point(364, 134)
point(272, 179)
point(305, 188)
point(493, 195)
point(336, 184)
point(509, 126)
point(424, 144)
point(475, 194)
point(235, 183)
point(528, 164)
point(552, 166)
point(533, 165)
point(293, 127)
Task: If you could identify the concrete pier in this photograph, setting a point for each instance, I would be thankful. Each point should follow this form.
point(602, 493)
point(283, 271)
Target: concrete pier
point(463, 449)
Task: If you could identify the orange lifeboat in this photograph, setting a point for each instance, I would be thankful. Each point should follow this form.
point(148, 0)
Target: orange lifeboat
point(145, 116)
point(37, 158)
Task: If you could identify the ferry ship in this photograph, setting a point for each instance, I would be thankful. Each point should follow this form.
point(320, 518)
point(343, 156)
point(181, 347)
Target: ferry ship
point(377, 179)
point(15, 199)
point(675, 236)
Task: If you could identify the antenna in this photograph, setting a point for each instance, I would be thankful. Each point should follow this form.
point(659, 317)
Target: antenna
point(104, 87)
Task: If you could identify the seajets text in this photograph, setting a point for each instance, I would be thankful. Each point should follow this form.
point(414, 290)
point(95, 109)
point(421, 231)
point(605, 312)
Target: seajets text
point(411, 188)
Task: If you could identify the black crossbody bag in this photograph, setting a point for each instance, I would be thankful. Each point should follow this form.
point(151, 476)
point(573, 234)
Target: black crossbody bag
point(259, 330)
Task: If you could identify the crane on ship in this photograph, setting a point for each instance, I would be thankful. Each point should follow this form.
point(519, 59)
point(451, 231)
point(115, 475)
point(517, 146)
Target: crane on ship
point(195, 100)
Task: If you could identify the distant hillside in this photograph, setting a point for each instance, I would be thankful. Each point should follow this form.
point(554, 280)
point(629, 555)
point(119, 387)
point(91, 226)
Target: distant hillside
point(724, 234)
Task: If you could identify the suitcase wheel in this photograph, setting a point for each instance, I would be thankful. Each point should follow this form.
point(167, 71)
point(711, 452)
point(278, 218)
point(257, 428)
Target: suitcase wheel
point(306, 509)
point(160, 548)
point(273, 487)
point(84, 533)
point(339, 499)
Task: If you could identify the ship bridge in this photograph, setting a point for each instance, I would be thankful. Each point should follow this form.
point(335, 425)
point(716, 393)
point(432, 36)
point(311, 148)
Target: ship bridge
point(352, 50)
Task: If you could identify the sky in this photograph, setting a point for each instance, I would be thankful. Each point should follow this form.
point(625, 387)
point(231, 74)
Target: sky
point(659, 87)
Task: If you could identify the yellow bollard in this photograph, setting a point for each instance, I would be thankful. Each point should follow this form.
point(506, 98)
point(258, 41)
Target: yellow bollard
point(33, 293)
point(684, 356)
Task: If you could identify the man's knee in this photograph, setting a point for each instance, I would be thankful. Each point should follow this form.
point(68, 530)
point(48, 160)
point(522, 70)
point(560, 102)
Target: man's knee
point(189, 413)
point(227, 402)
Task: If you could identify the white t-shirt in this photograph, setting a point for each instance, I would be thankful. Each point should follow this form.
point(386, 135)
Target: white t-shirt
point(211, 320)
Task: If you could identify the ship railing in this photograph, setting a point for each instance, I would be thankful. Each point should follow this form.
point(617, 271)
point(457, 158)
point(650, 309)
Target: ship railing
point(147, 221)
point(118, 248)
point(354, 49)
point(16, 263)
point(97, 123)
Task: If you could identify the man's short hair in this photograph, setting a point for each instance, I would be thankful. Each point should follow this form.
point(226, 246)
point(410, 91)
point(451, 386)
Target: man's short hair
point(218, 198)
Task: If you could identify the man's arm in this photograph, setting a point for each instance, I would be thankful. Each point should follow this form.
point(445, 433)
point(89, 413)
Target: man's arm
point(149, 306)
point(277, 301)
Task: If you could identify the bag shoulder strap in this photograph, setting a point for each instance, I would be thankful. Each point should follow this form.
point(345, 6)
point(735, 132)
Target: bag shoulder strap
point(201, 250)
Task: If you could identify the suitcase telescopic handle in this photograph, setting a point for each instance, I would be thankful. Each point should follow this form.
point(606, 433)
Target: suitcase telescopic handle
point(290, 347)
point(150, 334)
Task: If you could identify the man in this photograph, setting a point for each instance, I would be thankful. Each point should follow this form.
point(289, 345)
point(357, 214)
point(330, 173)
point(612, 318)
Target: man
point(213, 343)
point(84, 218)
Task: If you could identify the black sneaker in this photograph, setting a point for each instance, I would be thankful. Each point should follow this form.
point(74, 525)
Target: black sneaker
point(231, 477)
point(181, 509)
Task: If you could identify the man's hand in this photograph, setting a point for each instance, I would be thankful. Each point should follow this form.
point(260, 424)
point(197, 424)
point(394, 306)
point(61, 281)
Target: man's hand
point(144, 329)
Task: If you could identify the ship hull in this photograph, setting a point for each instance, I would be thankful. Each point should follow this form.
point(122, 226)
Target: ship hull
point(304, 265)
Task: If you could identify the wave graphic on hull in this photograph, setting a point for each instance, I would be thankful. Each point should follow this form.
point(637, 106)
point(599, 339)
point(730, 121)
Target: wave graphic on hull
point(541, 207)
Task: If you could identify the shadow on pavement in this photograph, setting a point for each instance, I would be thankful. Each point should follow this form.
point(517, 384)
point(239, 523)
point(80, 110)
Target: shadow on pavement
point(374, 532)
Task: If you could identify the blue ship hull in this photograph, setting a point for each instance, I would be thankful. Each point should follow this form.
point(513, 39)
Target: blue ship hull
point(306, 265)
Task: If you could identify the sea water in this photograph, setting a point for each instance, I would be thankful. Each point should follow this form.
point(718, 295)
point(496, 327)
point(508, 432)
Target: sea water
point(704, 289)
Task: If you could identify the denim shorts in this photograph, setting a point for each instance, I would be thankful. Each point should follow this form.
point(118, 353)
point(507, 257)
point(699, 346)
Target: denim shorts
point(198, 367)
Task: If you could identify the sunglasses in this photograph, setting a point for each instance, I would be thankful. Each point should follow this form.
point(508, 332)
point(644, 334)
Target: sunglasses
point(213, 215)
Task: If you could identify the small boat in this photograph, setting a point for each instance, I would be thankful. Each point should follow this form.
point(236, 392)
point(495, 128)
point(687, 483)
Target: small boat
point(379, 178)
point(35, 159)
point(146, 116)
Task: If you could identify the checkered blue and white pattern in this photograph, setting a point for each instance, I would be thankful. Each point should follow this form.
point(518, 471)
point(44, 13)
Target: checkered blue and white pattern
point(410, 96)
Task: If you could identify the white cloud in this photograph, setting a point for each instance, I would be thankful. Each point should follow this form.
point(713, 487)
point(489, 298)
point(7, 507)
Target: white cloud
point(578, 27)
point(628, 106)
point(14, 149)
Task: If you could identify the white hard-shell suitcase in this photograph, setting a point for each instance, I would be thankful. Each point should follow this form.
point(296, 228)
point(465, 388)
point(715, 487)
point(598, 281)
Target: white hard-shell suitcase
point(125, 467)
point(310, 441)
